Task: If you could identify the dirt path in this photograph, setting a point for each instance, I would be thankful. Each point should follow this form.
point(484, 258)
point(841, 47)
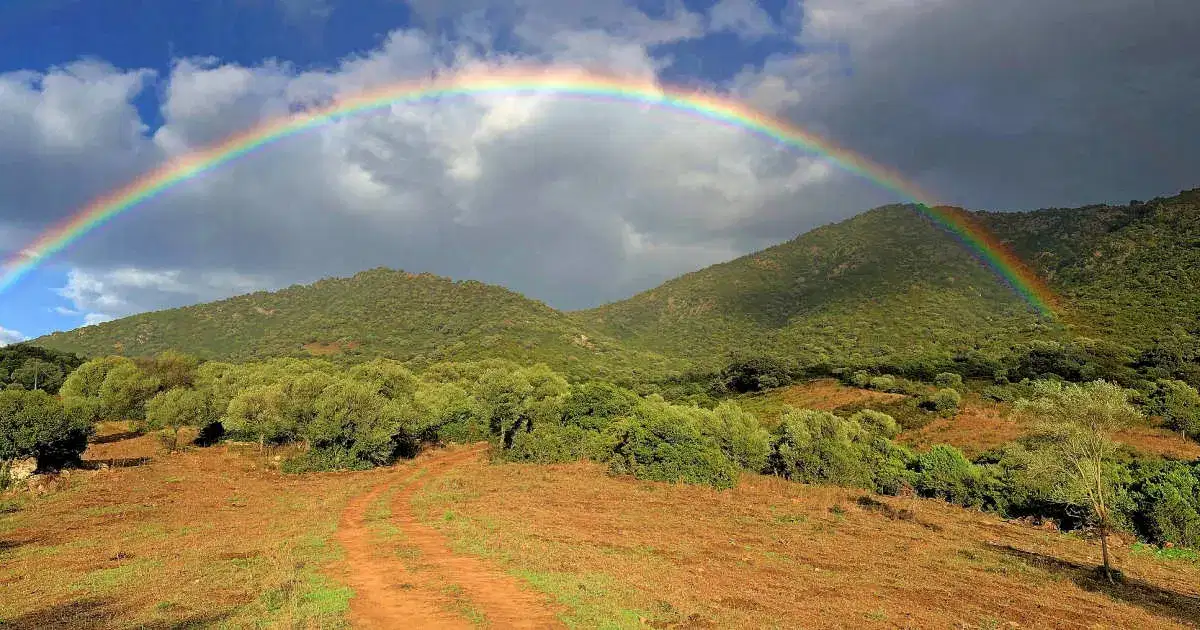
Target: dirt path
point(436, 588)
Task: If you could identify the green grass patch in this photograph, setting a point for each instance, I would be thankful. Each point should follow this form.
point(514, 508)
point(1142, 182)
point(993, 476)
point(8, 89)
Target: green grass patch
point(105, 580)
point(1181, 554)
point(593, 600)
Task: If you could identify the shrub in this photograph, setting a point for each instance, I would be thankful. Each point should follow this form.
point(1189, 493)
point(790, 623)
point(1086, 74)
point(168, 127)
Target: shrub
point(594, 405)
point(943, 401)
point(883, 383)
point(948, 380)
point(354, 421)
point(754, 374)
point(662, 442)
point(1179, 405)
point(945, 473)
point(548, 444)
point(819, 447)
point(877, 423)
point(737, 433)
point(860, 379)
point(35, 424)
point(177, 408)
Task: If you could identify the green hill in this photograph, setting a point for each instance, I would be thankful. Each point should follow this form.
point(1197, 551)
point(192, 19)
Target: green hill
point(379, 312)
point(886, 284)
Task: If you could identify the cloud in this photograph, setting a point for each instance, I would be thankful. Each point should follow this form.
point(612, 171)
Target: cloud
point(577, 201)
point(743, 17)
point(10, 336)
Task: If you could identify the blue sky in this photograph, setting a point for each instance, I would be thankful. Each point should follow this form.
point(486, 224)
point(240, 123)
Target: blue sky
point(990, 105)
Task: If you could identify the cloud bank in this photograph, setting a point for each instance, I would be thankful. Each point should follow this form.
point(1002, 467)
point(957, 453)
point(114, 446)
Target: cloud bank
point(991, 105)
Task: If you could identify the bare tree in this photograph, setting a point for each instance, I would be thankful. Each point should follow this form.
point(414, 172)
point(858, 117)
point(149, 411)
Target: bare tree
point(1077, 423)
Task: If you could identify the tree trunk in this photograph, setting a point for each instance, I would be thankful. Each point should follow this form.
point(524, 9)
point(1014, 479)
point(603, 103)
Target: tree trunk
point(1104, 552)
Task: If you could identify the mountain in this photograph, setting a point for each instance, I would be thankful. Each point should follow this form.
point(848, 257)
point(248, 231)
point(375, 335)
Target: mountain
point(890, 283)
point(887, 283)
point(379, 312)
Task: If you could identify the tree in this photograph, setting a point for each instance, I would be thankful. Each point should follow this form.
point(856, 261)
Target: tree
point(1076, 424)
point(178, 408)
point(258, 411)
point(38, 374)
point(125, 390)
point(1179, 405)
point(34, 424)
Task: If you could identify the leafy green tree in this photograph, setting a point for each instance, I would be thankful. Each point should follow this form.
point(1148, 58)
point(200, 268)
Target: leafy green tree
point(38, 374)
point(663, 442)
point(595, 404)
point(1077, 423)
point(172, 369)
point(258, 411)
point(125, 390)
point(738, 434)
point(389, 378)
point(1179, 405)
point(34, 424)
point(354, 419)
point(80, 392)
point(178, 408)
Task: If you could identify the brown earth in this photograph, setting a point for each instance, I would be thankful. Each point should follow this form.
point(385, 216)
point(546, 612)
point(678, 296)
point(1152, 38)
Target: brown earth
point(389, 594)
point(770, 553)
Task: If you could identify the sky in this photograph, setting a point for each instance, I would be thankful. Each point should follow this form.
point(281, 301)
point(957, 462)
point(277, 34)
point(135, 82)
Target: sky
point(1009, 105)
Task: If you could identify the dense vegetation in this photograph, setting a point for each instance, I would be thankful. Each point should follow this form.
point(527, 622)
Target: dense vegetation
point(885, 301)
point(410, 317)
point(886, 288)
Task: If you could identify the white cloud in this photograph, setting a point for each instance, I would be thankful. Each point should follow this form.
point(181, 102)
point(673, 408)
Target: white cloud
point(574, 201)
point(10, 336)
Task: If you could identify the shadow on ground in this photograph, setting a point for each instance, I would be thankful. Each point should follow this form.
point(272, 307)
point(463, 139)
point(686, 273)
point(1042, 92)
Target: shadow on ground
point(98, 613)
point(1159, 601)
point(115, 462)
point(115, 437)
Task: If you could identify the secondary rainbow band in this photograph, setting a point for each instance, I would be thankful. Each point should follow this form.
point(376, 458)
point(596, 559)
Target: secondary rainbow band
point(709, 107)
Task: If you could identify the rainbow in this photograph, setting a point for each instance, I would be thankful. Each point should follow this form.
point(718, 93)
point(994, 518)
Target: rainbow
point(527, 82)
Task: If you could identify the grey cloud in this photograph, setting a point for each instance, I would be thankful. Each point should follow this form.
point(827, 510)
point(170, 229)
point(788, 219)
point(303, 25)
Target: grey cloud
point(1015, 104)
point(989, 105)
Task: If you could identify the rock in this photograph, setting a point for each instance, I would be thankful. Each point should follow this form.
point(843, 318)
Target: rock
point(23, 469)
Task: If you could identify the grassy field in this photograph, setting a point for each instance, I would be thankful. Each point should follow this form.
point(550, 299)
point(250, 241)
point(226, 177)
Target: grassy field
point(210, 537)
point(217, 538)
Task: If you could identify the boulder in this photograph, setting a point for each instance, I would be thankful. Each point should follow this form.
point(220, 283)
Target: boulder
point(22, 469)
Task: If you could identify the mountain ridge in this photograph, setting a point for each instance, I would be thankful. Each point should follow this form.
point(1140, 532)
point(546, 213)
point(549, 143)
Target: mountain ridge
point(884, 284)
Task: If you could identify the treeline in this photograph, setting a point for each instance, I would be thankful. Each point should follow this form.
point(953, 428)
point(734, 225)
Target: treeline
point(28, 367)
point(373, 413)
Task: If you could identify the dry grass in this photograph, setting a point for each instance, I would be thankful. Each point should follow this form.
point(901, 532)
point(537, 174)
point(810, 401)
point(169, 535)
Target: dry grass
point(824, 394)
point(207, 537)
point(624, 553)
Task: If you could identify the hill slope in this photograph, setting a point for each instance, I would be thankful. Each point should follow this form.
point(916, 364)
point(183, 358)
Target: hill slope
point(377, 312)
point(889, 283)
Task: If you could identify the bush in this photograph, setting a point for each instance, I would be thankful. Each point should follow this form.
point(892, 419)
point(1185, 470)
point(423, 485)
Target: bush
point(737, 433)
point(860, 379)
point(754, 374)
point(819, 447)
point(943, 401)
point(1179, 406)
point(547, 444)
point(353, 420)
point(948, 380)
point(595, 405)
point(662, 442)
point(883, 383)
point(178, 408)
point(35, 424)
point(945, 473)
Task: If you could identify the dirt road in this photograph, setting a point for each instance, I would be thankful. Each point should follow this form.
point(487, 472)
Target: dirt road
point(431, 586)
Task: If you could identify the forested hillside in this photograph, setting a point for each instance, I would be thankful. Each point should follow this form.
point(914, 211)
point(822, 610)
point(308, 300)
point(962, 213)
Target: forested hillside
point(416, 317)
point(885, 286)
